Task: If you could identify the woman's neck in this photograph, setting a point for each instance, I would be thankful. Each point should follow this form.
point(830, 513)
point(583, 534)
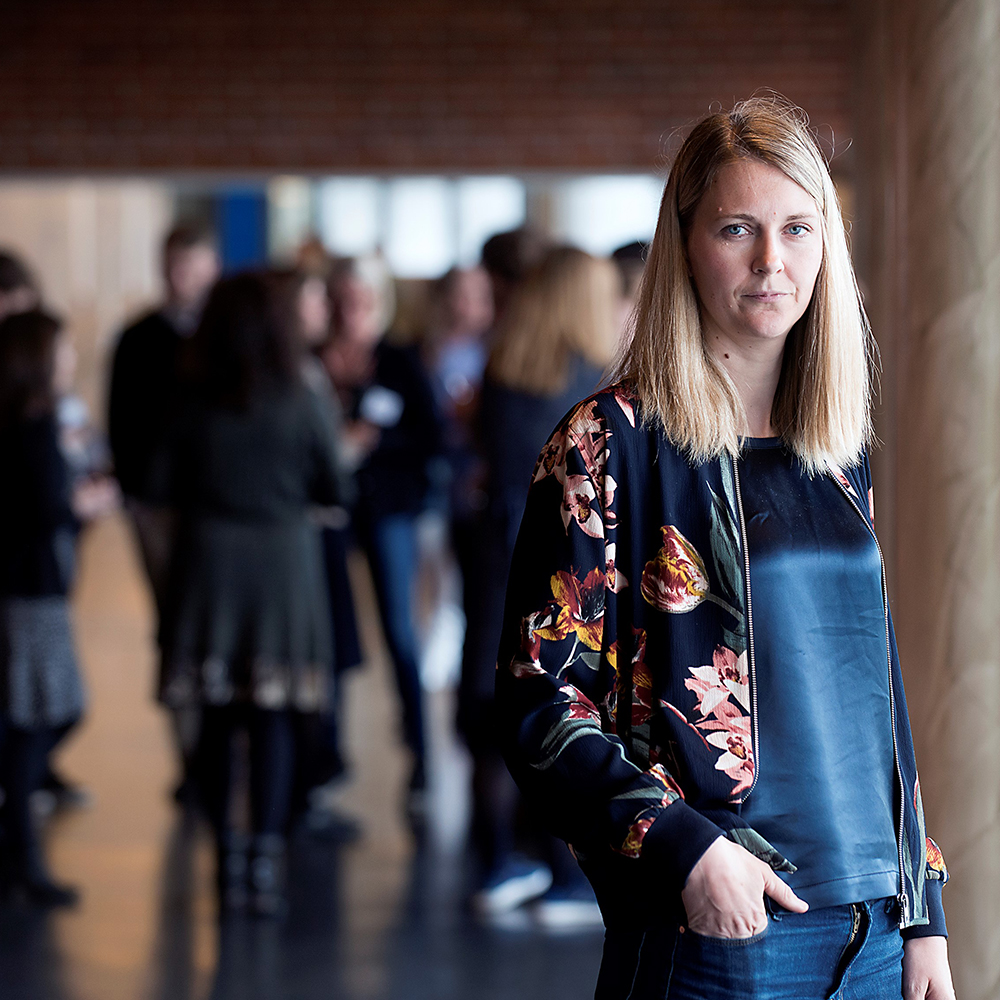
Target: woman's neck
point(755, 370)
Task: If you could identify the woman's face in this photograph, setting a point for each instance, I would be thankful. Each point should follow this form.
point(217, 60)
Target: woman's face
point(355, 306)
point(754, 250)
point(314, 310)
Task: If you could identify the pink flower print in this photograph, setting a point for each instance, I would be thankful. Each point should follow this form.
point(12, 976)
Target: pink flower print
point(723, 691)
point(727, 675)
point(580, 505)
point(609, 487)
point(842, 479)
point(552, 460)
point(626, 405)
point(616, 581)
point(733, 738)
point(586, 434)
point(580, 706)
point(521, 668)
point(583, 422)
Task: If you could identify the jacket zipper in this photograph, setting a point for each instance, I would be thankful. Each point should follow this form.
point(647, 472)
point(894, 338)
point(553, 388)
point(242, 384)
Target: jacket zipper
point(904, 901)
point(755, 738)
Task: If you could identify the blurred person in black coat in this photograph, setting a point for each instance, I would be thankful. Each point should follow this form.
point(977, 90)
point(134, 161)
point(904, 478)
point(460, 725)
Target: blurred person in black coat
point(145, 378)
point(144, 383)
point(41, 509)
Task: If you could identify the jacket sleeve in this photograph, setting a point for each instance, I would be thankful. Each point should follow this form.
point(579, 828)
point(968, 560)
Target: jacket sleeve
point(557, 671)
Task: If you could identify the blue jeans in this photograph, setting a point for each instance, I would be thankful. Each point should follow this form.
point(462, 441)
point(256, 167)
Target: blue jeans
point(391, 546)
point(835, 953)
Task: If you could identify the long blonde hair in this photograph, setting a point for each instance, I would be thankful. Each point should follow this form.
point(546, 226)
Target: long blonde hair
point(566, 306)
point(822, 406)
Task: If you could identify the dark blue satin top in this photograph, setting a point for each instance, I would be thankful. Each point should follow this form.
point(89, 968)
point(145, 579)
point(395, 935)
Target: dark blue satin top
point(824, 793)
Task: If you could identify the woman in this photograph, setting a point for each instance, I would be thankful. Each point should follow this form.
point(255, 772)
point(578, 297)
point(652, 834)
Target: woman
point(551, 348)
point(321, 762)
point(41, 692)
point(247, 635)
point(749, 817)
point(391, 432)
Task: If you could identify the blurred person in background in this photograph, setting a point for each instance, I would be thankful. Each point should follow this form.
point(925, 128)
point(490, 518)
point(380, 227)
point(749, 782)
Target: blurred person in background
point(630, 260)
point(145, 378)
point(85, 450)
point(391, 433)
point(455, 350)
point(246, 628)
point(507, 258)
point(41, 509)
point(551, 345)
point(321, 760)
point(18, 289)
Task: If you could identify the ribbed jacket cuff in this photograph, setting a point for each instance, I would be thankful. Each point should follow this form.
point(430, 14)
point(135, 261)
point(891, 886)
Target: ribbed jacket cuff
point(935, 910)
point(676, 841)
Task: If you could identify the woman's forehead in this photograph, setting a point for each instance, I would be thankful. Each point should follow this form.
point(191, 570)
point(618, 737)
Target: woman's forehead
point(753, 189)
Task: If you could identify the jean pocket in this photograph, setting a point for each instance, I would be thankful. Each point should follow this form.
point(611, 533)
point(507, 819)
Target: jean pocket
point(707, 940)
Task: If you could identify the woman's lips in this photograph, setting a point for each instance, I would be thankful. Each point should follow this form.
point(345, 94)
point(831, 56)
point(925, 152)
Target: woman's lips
point(766, 296)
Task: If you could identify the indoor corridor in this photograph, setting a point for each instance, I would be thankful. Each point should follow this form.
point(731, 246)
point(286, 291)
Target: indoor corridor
point(381, 917)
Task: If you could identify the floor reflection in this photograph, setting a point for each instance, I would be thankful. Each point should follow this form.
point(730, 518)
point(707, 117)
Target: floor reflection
point(30, 961)
point(381, 918)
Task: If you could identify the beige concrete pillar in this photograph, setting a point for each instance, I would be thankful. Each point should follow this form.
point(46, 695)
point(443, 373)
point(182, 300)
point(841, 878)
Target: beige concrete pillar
point(943, 112)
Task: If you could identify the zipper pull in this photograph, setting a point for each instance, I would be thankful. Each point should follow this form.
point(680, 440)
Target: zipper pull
point(904, 907)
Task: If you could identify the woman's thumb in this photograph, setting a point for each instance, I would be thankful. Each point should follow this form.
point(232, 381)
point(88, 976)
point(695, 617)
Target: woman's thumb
point(782, 893)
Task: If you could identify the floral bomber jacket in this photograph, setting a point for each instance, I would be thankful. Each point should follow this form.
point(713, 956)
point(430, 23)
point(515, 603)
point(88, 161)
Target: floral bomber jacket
point(626, 675)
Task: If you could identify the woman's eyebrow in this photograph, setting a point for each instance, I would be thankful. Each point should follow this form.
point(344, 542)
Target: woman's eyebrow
point(747, 217)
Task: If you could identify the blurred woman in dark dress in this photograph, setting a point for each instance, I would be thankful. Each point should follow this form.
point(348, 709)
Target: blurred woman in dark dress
point(247, 632)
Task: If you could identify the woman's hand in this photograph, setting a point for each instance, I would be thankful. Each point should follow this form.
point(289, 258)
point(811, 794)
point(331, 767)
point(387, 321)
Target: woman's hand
point(724, 894)
point(359, 440)
point(926, 973)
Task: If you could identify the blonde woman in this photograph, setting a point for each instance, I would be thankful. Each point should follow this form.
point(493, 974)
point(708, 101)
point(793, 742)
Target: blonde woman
point(552, 344)
point(698, 681)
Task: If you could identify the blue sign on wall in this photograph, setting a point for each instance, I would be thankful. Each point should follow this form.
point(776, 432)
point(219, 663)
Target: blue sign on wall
point(241, 220)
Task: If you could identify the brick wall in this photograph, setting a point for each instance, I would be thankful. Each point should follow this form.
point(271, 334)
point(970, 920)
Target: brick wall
point(321, 85)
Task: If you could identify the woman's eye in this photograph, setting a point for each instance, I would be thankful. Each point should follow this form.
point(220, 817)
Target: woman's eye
point(736, 229)
point(797, 229)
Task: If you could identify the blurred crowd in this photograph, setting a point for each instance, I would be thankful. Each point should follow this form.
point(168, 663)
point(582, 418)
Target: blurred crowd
point(261, 426)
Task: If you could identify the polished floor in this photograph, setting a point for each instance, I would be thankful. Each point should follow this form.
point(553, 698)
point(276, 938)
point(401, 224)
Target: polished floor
point(382, 918)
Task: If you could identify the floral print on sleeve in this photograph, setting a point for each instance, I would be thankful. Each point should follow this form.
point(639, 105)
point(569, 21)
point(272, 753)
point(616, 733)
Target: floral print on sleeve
point(563, 654)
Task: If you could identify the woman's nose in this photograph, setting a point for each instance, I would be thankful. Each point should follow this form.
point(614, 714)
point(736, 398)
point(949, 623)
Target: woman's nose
point(768, 257)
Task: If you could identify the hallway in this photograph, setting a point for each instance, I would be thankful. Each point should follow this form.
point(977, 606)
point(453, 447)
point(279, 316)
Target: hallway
point(378, 919)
